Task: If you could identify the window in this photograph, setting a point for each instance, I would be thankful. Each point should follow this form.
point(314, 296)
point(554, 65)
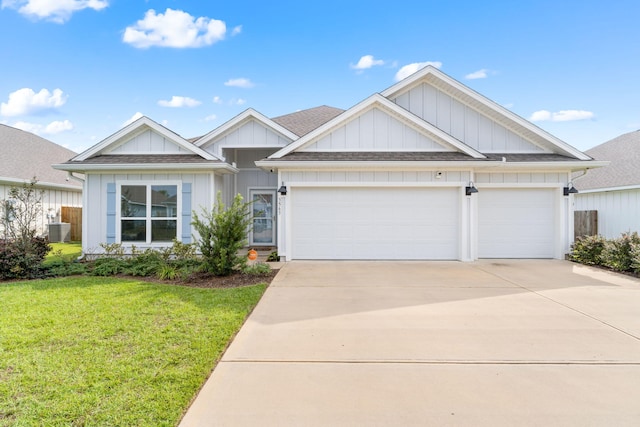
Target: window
point(148, 213)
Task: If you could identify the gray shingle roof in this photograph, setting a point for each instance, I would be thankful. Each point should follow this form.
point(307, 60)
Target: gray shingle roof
point(418, 156)
point(24, 155)
point(624, 154)
point(303, 122)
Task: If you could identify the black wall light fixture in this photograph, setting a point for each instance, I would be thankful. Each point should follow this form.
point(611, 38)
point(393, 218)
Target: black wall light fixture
point(282, 190)
point(470, 189)
point(569, 189)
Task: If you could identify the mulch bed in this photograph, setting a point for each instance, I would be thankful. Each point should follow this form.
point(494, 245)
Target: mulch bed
point(207, 280)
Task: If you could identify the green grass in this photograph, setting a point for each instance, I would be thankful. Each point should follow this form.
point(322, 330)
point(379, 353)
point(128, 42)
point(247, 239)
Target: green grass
point(105, 351)
point(63, 251)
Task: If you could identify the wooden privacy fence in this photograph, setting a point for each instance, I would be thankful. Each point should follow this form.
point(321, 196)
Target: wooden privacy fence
point(74, 217)
point(585, 223)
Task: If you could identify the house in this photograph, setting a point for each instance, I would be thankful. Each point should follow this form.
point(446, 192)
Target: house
point(426, 169)
point(25, 156)
point(613, 191)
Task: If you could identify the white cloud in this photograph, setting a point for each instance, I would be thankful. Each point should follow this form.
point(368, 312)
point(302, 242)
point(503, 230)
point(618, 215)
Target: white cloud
point(27, 101)
point(210, 118)
point(132, 119)
point(480, 74)
point(179, 102)
point(561, 116)
point(52, 128)
point(238, 101)
point(58, 11)
point(236, 30)
point(58, 127)
point(367, 62)
point(409, 69)
point(174, 28)
point(217, 100)
point(241, 82)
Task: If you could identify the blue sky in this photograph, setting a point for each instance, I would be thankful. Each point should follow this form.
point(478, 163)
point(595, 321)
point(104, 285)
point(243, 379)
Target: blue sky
point(75, 71)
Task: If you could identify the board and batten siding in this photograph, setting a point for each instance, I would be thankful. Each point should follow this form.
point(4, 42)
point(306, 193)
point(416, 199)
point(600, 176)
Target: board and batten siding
point(375, 130)
point(95, 213)
point(52, 202)
point(148, 142)
point(462, 121)
point(249, 134)
point(618, 211)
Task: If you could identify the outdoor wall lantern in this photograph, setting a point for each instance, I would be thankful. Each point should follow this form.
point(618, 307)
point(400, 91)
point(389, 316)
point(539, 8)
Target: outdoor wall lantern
point(570, 189)
point(470, 189)
point(282, 190)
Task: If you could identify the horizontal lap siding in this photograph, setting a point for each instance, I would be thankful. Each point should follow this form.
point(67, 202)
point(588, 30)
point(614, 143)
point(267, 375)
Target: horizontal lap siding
point(375, 176)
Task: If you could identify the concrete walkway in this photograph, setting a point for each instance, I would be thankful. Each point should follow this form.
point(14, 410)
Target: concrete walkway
point(490, 343)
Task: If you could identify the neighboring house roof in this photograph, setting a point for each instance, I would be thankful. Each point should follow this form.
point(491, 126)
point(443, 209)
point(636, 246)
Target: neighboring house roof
point(304, 121)
point(25, 155)
point(624, 170)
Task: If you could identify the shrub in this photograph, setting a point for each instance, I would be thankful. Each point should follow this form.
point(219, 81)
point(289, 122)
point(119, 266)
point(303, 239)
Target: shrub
point(257, 269)
point(62, 268)
point(222, 234)
point(273, 257)
point(588, 250)
point(108, 266)
point(617, 252)
point(21, 259)
point(144, 264)
point(635, 257)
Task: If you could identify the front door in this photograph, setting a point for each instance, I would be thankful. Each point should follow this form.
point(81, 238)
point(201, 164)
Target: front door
point(264, 230)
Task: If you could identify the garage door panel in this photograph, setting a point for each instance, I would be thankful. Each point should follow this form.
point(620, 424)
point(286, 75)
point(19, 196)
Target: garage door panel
point(375, 223)
point(516, 223)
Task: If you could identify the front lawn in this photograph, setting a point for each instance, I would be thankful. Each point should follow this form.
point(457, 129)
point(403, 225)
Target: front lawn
point(63, 251)
point(106, 351)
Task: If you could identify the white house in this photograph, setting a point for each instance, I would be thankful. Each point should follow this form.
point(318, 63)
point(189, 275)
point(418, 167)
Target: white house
point(613, 191)
point(426, 169)
point(25, 156)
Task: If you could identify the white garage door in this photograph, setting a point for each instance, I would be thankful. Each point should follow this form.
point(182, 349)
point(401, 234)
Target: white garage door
point(517, 223)
point(375, 223)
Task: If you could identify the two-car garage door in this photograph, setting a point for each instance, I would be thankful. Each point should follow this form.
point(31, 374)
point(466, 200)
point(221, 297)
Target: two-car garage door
point(375, 223)
point(420, 223)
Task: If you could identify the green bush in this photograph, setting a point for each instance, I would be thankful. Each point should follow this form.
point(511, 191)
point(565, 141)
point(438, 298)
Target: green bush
point(144, 264)
point(108, 266)
point(222, 234)
point(63, 267)
point(588, 250)
point(617, 252)
point(257, 269)
point(22, 259)
point(635, 257)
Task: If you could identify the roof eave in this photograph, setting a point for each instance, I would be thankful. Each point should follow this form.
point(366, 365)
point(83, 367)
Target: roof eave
point(271, 164)
point(96, 167)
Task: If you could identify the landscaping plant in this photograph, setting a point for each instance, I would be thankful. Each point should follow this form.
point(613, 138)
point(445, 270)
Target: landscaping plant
point(223, 233)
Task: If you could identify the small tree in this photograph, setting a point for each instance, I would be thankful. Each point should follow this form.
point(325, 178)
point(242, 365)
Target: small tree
point(21, 252)
point(223, 233)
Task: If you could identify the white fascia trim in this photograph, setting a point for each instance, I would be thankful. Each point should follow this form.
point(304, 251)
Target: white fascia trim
point(572, 166)
point(363, 106)
point(371, 165)
point(220, 167)
point(603, 190)
point(493, 165)
point(430, 70)
point(40, 184)
point(139, 126)
point(238, 120)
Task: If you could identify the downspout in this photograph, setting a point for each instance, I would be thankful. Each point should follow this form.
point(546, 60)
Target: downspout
point(70, 175)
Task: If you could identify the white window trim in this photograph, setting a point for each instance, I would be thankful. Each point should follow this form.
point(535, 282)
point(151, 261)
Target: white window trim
point(148, 184)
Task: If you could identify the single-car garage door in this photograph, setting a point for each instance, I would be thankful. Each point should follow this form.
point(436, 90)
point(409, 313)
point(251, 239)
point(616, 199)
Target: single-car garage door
point(517, 223)
point(375, 223)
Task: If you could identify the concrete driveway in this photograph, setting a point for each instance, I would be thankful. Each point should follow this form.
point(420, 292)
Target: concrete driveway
point(493, 343)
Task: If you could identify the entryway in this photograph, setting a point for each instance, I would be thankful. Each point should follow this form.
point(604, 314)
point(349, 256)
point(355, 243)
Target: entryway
point(263, 232)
